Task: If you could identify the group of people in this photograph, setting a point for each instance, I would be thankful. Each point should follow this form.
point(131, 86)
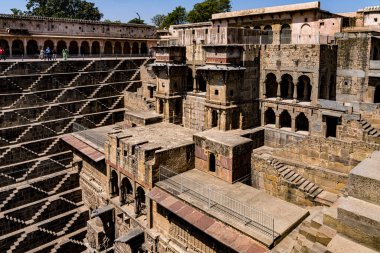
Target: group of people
point(48, 54)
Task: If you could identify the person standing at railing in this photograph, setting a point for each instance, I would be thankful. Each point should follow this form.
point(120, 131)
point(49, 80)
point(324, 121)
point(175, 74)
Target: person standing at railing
point(2, 54)
point(65, 54)
point(42, 54)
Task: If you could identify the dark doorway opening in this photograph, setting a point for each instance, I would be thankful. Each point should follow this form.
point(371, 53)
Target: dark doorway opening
point(214, 122)
point(212, 163)
point(376, 98)
point(331, 126)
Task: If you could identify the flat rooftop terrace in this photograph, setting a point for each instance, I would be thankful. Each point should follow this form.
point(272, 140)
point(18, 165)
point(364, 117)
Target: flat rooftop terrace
point(162, 134)
point(243, 207)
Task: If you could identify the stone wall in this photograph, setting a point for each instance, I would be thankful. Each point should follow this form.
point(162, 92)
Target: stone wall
point(353, 61)
point(194, 112)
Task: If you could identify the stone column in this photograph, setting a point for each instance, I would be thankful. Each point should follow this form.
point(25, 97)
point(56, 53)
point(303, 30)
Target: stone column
point(139, 48)
point(10, 48)
point(290, 94)
point(277, 120)
point(113, 48)
point(223, 122)
point(264, 90)
point(25, 43)
point(109, 189)
point(295, 95)
point(209, 118)
point(293, 124)
point(119, 184)
point(278, 90)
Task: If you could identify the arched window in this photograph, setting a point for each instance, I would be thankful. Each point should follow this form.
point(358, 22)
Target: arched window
point(286, 34)
point(256, 31)
point(95, 49)
point(144, 48)
point(49, 44)
point(32, 48)
point(267, 37)
point(269, 117)
point(304, 88)
point(305, 35)
point(114, 183)
point(140, 199)
point(60, 46)
point(108, 48)
point(302, 122)
point(73, 48)
point(127, 48)
point(17, 48)
point(212, 164)
point(271, 86)
point(126, 190)
point(118, 49)
point(285, 119)
point(85, 48)
point(287, 86)
point(4, 44)
point(135, 48)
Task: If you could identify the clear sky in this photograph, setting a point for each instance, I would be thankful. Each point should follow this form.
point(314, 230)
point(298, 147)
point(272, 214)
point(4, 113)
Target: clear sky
point(125, 10)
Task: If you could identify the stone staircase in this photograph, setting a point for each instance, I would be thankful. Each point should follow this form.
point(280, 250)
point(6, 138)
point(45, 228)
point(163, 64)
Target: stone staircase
point(112, 72)
point(369, 129)
point(17, 242)
point(50, 147)
point(9, 68)
point(51, 67)
point(87, 66)
point(34, 83)
point(39, 213)
point(295, 179)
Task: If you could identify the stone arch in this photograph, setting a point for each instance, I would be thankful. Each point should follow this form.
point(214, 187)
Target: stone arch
point(5, 45)
point(285, 119)
point(287, 86)
point(140, 199)
point(304, 88)
point(118, 50)
point(95, 48)
point(127, 48)
point(269, 117)
point(73, 48)
point(144, 48)
point(302, 122)
point(60, 46)
point(48, 44)
point(114, 181)
point(32, 48)
point(376, 97)
point(305, 34)
point(286, 34)
point(17, 48)
point(267, 35)
point(84, 48)
point(271, 85)
point(126, 189)
point(135, 48)
point(108, 48)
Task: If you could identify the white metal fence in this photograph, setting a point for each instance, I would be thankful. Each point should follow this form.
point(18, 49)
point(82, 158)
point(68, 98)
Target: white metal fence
point(248, 215)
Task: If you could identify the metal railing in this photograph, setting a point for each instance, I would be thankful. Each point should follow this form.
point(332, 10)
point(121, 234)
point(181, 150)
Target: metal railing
point(247, 215)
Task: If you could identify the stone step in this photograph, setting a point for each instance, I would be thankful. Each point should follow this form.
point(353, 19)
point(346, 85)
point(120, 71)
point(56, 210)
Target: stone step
point(318, 248)
point(359, 220)
point(364, 179)
point(341, 244)
point(325, 234)
point(317, 221)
